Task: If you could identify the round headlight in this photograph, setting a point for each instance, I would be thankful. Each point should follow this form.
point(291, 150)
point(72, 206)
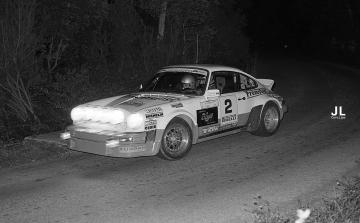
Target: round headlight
point(135, 121)
point(76, 114)
point(96, 114)
point(116, 117)
point(87, 113)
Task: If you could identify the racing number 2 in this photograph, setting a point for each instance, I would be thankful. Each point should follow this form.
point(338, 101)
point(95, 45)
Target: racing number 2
point(228, 105)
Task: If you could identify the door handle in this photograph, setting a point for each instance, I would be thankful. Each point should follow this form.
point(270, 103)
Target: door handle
point(243, 98)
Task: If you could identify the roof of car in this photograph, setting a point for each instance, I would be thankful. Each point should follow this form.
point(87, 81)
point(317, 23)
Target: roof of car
point(209, 67)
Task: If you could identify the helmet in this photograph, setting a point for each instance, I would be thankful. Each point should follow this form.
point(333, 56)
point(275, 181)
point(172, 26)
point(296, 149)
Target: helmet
point(188, 82)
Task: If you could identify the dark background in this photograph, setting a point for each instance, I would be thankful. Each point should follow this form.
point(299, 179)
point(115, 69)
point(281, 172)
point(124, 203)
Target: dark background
point(58, 54)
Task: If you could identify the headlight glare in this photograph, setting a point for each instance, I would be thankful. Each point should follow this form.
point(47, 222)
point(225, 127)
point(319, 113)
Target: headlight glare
point(76, 114)
point(135, 121)
point(97, 114)
point(116, 117)
point(87, 113)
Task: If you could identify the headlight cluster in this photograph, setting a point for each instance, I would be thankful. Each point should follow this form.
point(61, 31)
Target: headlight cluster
point(97, 115)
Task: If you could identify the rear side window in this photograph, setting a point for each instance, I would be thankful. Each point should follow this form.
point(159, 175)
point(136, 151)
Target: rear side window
point(224, 81)
point(246, 83)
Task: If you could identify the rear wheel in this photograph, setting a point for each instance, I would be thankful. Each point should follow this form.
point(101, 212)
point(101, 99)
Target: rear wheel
point(269, 120)
point(176, 141)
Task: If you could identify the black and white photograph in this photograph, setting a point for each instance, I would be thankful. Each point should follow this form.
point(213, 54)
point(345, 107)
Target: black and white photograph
point(179, 111)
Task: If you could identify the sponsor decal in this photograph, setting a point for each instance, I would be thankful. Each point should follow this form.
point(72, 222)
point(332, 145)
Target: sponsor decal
point(157, 97)
point(154, 112)
point(216, 129)
point(188, 70)
point(207, 116)
point(210, 129)
point(209, 104)
point(119, 101)
point(154, 115)
point(150, 125)
point(131, 149)
point(134, 102)
point(124, 149)
point(228, 118)
point(139, 99)
point(228, 126)
point(256, 92)
point(178, 105)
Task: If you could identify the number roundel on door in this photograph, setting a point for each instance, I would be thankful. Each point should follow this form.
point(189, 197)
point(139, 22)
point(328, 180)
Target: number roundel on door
point(228, 105)
point(228, 110)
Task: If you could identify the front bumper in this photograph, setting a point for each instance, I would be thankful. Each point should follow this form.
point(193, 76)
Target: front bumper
point(114, 144)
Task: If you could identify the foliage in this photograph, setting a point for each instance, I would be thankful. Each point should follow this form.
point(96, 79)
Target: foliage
point(17, 57)
point(344, 208)
point(264, 213)
point(58, 54)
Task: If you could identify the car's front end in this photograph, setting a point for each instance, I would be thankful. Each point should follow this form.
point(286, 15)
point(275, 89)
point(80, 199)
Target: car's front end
point(112, 130)
point(111, 143)
point(132, 125)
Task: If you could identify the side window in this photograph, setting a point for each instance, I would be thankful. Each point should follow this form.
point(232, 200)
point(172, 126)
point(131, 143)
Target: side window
point(225, 81)
point(246, 82)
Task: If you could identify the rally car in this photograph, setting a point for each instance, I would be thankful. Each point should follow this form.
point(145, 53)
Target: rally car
point(182, 105)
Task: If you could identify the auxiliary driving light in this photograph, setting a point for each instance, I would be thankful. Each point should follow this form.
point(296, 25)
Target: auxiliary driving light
point(97, 114)
point(65, 135)
point(112, 143)
point(76, 114)
point(126, 139)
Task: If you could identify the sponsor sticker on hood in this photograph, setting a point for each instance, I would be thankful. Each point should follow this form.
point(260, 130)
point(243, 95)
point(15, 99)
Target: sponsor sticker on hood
point(153, 113)
point(140, 101)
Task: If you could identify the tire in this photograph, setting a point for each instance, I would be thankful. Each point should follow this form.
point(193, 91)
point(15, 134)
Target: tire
point(176, 141)
point(269, 120)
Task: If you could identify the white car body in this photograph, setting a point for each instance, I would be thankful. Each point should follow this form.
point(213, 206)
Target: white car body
point(141, 118)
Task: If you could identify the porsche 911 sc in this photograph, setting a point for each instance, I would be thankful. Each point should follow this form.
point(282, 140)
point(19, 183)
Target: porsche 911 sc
point(182, 105)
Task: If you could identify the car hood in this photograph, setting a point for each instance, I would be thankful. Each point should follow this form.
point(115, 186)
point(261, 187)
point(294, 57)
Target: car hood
point(137, 101)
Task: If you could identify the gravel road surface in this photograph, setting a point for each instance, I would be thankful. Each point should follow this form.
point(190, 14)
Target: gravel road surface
point(219, 180)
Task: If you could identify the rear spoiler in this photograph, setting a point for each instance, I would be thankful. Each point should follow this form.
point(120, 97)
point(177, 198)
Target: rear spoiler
point(268, 83)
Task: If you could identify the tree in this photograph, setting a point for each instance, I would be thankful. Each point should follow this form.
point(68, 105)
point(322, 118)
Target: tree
point(17, 61)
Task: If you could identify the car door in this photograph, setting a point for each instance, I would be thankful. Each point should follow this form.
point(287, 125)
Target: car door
point(226, 83)
point(244, 102)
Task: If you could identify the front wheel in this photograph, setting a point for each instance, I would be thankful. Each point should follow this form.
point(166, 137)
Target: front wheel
point(269, 120)
point(176, 141)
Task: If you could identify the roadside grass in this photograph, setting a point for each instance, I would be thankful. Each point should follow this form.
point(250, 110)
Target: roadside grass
point(19, 152)
point(344, 208)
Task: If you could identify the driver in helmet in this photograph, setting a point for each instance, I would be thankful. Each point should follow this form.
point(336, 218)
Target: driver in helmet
point(188, 82)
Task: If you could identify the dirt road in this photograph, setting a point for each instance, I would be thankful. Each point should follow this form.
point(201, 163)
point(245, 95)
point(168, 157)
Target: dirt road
point(220, 179)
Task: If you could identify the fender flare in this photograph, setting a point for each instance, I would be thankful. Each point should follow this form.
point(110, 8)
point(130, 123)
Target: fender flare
point(187, 117)
point(255, 115)
point(254, 118)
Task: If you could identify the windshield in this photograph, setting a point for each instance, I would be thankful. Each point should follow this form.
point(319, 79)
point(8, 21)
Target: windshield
point(177, 82)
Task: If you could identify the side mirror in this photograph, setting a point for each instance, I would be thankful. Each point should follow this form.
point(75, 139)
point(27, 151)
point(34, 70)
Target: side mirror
point(212, 93)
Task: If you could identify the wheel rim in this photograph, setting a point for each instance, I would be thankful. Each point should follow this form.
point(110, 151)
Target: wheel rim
point(176, 139)
point(271, 119)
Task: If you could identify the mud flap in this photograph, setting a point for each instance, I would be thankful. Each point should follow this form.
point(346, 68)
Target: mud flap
point(254, 118)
